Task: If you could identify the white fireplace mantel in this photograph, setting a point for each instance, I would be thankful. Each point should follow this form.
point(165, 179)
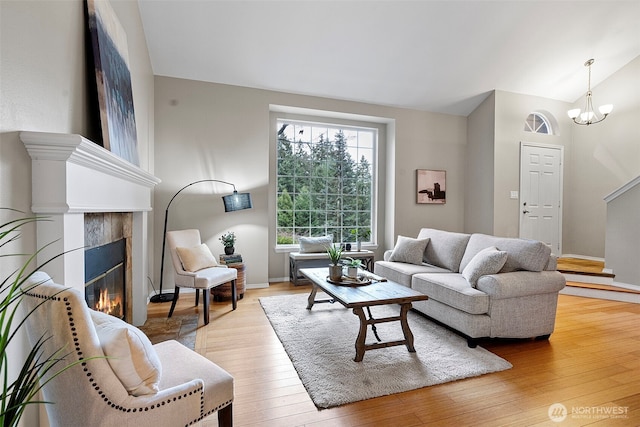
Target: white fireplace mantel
point(72, 176)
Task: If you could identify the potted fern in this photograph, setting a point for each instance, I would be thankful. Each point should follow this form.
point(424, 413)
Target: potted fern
point(335, 268)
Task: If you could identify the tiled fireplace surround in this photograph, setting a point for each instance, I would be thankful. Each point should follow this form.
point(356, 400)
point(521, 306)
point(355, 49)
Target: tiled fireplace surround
point(72, 176)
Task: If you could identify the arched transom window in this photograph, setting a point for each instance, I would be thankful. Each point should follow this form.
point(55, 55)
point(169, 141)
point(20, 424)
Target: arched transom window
point(537, 123)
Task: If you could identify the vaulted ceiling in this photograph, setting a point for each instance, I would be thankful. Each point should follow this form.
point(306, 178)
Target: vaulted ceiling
point(439, 56)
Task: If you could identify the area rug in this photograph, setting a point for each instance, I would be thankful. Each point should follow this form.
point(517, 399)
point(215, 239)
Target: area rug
point(321, 344)
point(180, 328)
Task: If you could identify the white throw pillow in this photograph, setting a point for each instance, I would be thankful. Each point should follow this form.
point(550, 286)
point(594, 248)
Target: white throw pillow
point(196, 258)
point(488, 261)
point(315, 244)
point(409, 250)
point(129, 353)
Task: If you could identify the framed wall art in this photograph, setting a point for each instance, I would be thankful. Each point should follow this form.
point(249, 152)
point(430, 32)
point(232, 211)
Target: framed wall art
point(113, 78)
point(431, 186)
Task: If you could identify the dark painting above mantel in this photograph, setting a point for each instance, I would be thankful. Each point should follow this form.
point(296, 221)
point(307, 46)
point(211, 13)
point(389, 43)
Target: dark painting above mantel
point(113, 78)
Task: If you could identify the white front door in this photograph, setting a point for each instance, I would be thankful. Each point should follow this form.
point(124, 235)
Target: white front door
point(541, 194)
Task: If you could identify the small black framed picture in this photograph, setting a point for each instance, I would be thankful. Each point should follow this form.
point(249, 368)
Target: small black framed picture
point(431, 186)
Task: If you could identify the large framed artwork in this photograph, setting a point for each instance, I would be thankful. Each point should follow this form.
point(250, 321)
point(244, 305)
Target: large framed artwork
point(113, 77)
point(431, 186)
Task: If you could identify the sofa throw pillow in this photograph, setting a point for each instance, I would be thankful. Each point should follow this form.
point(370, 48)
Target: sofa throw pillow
point(409, 250)
point(445, 248)
point(315, 244)
point(196, 258)
point(129, 353)
point(488, 261)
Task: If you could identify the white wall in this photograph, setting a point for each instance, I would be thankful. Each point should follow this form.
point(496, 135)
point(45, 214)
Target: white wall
point(43, 87)
point(511, 111)
point(479, 169)
point(206, 130)
point(623, 235)
point(604, 157)
point(598, 159)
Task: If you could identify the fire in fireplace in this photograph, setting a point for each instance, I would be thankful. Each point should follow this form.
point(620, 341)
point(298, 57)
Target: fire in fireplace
point(105, 278)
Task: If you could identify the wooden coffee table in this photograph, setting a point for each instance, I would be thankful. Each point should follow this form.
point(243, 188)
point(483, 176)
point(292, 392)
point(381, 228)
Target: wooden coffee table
point(360, 297)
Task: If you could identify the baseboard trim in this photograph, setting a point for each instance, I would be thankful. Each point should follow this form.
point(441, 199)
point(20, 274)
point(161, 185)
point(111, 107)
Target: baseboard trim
point(256, 285)
point(590, 258)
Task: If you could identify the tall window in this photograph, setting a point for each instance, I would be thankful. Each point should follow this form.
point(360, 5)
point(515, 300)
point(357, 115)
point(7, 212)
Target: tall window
point(325, 176)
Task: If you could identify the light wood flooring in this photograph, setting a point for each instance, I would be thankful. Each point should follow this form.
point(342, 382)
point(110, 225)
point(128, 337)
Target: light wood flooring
point(591, 363)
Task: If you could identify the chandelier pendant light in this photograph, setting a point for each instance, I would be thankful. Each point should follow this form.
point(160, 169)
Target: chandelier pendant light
point(589, 116)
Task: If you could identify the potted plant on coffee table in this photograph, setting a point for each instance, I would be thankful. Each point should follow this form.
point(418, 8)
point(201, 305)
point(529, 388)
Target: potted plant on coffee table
point(335, 268)
point(352, 266)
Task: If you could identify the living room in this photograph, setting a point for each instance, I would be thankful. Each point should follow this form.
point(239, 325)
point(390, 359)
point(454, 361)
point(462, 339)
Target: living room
point(189, 130)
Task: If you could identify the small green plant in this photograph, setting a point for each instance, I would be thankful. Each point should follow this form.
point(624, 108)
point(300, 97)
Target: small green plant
point(228, 239)
point(335, 253)
point(351, 262)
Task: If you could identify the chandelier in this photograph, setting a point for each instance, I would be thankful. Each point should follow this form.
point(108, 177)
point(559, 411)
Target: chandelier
point(589, 116)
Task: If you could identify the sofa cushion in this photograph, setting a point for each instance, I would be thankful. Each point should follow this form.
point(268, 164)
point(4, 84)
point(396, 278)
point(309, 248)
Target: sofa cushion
point(488, 261)
point(315, 244)
point(196, 258)
point(129, 353)
point(445, 248)
point(401, 272)
point(453, 290)
point(530, 255)
point(409, 250)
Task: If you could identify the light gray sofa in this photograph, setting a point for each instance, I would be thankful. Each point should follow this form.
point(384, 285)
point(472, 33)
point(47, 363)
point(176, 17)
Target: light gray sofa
point(519, 301)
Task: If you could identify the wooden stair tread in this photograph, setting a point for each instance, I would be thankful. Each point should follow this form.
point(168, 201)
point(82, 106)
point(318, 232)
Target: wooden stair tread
point(607, 288)
point(586, 273)
point(583, 267)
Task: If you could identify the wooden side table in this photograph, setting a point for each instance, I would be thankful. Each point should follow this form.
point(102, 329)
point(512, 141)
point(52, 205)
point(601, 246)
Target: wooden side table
point(223, 292)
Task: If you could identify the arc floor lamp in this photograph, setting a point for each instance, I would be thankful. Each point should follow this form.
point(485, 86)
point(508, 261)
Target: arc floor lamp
point(232, 202)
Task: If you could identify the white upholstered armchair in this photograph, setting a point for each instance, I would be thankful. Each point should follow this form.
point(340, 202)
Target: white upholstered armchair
point(195, 267)
point(172, 386)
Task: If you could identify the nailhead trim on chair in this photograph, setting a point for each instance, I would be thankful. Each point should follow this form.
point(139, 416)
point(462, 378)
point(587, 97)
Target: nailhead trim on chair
point(94, 383)
point(216, 409)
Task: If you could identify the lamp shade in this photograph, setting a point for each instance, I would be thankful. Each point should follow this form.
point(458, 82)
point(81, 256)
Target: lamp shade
point(237, 201)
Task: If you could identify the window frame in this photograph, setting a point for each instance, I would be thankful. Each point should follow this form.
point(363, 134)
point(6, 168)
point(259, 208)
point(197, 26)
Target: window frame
point(545, 122)
point(376, 128)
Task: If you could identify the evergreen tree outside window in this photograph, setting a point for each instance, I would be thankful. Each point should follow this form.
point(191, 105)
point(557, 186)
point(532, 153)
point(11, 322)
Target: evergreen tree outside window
point(325, 176)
